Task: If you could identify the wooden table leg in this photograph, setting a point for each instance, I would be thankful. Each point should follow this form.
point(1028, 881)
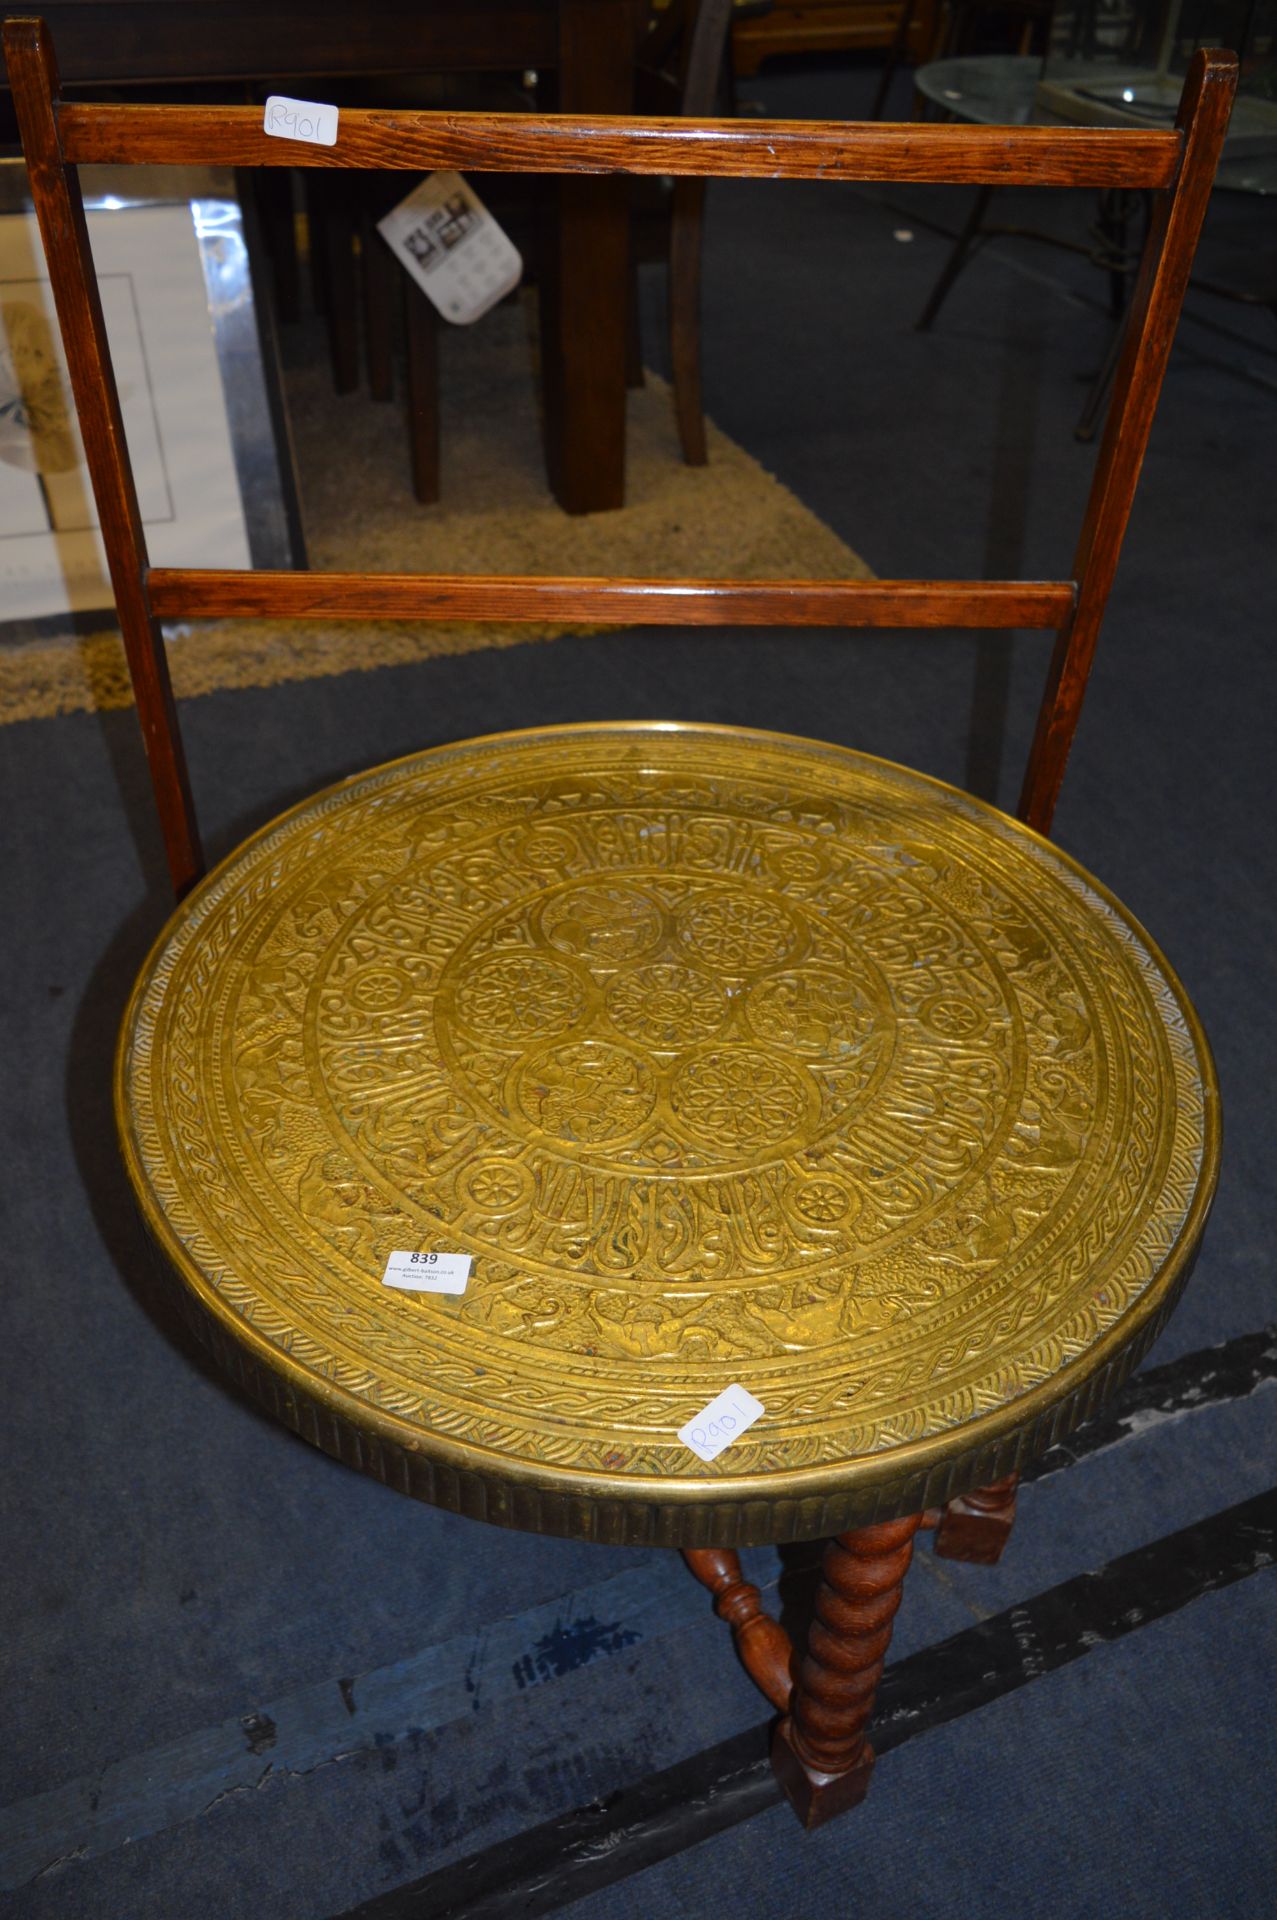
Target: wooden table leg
point(977, 1525)
point(331, 217)
point(584, 291)
point(421, 323)
point(820, 1751)
point(762, 1643)
point(380, 273)
point(953, 266)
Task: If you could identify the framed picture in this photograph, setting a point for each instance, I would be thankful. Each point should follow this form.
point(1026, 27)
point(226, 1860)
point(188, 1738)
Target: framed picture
point(197, 384)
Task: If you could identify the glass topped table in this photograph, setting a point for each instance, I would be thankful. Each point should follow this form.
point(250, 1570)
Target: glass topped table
point(1011, 90)
point(990, 90)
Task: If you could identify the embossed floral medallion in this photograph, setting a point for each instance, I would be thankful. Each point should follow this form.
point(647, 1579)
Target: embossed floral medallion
point(725, 1056)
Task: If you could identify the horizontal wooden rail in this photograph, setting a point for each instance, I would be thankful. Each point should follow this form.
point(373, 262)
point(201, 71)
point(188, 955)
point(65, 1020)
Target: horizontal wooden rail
point(111, 134)
point(177, 593)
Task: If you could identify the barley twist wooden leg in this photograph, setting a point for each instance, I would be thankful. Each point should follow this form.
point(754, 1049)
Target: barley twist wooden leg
point(765, 1648)
point(820, 1752)
point(977, 1525)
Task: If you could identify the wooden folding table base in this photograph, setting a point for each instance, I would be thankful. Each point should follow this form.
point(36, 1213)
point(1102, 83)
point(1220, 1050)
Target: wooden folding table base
point(820, 1749)
point(821, 1752)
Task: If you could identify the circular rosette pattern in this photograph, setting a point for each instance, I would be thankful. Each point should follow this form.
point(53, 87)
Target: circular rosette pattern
point(740, 1100)
point(736, 930)
point(515, 997)
point(666, 1005)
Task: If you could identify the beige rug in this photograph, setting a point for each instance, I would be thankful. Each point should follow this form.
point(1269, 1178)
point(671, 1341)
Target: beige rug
point(729, 519)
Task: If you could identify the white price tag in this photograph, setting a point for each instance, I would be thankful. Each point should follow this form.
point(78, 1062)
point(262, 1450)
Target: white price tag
point(448, 241)
point(427, 1272)
point(721, 1422)
point(310, 120)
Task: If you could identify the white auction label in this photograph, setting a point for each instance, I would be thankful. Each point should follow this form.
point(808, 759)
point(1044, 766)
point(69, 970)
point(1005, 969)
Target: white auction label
point(428, 1272)
point(310, 120)
point(444, 236)
point(721, 1422)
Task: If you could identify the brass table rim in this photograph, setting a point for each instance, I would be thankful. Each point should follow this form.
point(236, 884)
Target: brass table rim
point(979, 1449)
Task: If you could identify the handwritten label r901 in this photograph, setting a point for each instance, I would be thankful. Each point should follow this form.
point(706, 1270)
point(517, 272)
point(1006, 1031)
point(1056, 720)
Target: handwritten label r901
point(310, 120)
point(721, 1422)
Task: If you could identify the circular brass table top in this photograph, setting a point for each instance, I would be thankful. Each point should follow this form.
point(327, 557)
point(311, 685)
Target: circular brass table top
point(731, 1059)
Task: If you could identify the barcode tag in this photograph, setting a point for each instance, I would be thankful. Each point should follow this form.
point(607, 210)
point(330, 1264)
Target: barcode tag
point(310, 120)
point(721, 1422)
point(428, 1272)
point(444, 236)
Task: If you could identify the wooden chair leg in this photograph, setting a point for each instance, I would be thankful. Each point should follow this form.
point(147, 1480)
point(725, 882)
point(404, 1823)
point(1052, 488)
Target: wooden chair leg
point(330, 216)
point(687, 219)
point(820, 1751)
point(633, 331)
point(379, 270)
point(895, 54)
point(273, 187)
point(976, 1526)
point(313, 199)
point(969, 236)
point(765, 1648)
point(422, 328)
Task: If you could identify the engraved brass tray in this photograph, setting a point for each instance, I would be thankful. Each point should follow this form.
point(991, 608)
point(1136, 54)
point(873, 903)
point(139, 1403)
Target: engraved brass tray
point(729, 1057)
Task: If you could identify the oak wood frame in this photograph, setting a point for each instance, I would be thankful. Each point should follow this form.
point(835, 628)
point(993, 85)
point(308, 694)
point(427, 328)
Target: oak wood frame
point(1177, 165)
